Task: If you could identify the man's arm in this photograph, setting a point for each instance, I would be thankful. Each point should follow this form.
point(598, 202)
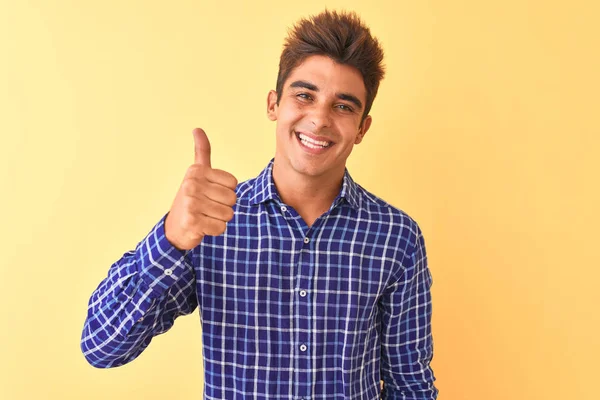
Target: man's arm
point(407, 342)
point(141, 297)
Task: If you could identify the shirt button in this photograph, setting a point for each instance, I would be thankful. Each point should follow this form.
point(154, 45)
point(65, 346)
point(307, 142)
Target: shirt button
point(306, 240)
point(283, 208)
point(303, 293)
point(303, 347)
point(168, 272)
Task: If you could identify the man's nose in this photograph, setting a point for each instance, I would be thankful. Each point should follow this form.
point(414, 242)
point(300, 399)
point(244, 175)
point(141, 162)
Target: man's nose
point(320, 117)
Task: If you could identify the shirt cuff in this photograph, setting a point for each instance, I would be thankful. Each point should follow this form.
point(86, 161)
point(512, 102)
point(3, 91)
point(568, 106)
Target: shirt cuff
point(161, 263)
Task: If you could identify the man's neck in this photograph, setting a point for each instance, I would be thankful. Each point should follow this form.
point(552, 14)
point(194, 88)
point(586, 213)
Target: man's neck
point(309, 196)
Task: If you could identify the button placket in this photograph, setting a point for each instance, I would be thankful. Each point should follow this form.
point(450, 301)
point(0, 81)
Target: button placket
point(303, 285)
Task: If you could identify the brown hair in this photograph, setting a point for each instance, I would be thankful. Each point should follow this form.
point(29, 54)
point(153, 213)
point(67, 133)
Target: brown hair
point(342, 37)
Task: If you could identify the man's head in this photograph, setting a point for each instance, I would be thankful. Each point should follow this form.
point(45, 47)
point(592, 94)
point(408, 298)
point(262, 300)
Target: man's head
point(329, 74)
point(341, 37)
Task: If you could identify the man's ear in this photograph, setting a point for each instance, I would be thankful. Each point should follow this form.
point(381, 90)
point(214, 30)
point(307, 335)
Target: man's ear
point(272, 106)
point(362, 130)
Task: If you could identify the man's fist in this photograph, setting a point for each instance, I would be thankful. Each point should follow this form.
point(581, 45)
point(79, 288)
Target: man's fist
point(204, 203)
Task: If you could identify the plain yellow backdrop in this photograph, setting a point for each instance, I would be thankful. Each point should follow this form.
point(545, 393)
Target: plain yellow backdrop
point(485, 131)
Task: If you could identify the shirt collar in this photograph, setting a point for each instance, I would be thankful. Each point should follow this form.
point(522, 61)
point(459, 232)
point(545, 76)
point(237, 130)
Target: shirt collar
point(264, 188)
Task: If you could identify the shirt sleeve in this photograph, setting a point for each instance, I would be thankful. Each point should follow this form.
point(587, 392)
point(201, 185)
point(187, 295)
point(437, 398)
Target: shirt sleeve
point(407, 342)
point(140, 298)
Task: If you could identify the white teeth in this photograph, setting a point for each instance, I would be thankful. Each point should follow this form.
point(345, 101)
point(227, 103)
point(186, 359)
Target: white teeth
point(312, 146)
point(315, 144)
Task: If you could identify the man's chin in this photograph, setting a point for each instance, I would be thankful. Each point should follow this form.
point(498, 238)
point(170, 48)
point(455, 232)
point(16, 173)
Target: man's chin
point(311, 170)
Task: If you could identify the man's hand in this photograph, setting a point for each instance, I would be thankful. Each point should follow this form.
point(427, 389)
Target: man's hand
point(204, 203)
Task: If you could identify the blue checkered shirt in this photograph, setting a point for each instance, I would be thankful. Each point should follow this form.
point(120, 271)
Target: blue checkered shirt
point(287, 311)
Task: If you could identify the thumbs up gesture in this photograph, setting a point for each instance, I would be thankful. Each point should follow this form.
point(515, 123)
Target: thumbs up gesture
point(204, 203)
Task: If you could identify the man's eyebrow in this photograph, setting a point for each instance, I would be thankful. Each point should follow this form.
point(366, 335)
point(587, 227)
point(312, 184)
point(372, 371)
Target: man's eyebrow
point(351, 98)
point(305, 85)
point(342, 96)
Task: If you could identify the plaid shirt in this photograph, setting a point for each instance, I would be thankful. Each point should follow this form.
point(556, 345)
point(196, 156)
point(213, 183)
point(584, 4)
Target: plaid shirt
point(287, 311)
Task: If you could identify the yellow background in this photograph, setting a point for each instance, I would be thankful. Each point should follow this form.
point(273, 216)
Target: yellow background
point(485, 131)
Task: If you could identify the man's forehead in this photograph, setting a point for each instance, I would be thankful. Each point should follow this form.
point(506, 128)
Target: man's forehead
point(326, 75)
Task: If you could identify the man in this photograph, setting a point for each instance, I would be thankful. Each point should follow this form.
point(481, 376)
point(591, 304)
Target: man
point(308, 286)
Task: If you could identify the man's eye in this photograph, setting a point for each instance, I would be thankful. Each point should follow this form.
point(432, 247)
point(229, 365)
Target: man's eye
point(305, 96)
point(345, 107)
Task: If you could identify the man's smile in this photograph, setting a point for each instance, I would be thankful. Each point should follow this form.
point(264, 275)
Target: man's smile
point(313, 144)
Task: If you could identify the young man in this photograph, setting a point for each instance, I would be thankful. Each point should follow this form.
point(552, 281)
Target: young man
point(308, 286)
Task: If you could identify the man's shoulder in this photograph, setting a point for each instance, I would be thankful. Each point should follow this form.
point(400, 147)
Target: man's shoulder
point(378, 209)
point(245, 191)
point(245, 187)
point(257, 188)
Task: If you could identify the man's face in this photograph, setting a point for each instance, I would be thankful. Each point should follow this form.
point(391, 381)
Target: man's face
point(318, 117)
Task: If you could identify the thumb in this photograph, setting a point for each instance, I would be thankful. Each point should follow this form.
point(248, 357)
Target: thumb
point(201, 148)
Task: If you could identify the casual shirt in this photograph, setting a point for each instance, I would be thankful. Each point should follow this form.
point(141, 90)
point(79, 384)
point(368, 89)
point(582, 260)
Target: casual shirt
point(287, 311)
